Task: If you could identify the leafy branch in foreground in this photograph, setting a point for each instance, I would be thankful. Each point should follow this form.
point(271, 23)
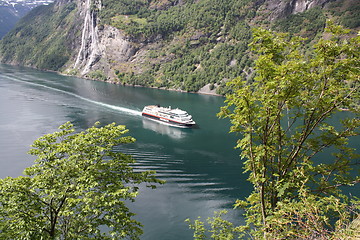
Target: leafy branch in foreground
point(76, 189)
point(285, 119)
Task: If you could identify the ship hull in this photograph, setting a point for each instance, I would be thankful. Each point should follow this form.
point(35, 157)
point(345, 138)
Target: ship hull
point(167, 121)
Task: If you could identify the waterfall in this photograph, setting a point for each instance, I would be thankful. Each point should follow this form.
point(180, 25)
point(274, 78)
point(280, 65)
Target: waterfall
point(81, 53)
point(89, 52)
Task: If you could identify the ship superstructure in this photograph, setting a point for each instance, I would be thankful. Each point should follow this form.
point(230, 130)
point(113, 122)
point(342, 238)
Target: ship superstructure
point(171, 116)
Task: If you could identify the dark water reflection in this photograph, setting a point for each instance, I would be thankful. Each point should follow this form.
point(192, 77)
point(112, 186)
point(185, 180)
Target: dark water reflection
point(201, 167)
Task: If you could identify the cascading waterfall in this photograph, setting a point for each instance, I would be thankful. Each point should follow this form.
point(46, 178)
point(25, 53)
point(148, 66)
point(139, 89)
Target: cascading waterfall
point(82, 54)
point(89, 52)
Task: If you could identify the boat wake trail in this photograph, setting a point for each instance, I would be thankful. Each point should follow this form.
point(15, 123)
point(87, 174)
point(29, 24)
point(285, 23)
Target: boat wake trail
point(109, 106)
point(117, 108)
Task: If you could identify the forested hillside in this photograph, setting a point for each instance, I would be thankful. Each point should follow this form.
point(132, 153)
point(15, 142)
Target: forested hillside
point(176, 44)
point(12, 10)
point(8, 18)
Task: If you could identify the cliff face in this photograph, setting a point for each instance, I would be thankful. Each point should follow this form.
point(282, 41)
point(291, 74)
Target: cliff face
point(180, 44)
point(105, 48)
point(89, 52)
point(281, 9)
point(100, 45)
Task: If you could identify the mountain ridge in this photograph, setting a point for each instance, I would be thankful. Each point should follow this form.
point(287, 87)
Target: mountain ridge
point(12, 10)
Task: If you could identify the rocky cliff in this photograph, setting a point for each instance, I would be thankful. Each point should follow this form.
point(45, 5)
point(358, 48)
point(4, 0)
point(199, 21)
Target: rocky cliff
point(179, 44)
point(281, 9)
point(100, 45)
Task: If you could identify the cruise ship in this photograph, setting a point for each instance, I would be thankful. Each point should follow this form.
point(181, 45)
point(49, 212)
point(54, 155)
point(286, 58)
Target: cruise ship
point(174, 117)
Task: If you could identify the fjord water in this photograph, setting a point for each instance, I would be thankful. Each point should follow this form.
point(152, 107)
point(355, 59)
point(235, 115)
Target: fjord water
point(201, 167)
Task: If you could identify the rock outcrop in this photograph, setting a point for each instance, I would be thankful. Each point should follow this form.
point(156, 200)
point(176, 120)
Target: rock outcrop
point(89, 52)
point(280, 9)
point(101, 47)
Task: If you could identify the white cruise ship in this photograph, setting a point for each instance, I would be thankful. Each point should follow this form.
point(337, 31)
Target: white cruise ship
point(174, 117)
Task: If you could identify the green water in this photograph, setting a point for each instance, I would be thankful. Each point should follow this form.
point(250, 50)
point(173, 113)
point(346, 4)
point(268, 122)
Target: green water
point(201, 167)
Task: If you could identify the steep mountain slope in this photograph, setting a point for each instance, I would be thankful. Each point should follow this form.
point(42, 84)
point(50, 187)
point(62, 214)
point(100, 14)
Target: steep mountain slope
point(44, 38)
point(12, 10)
point(177, 44)
point(8, 19)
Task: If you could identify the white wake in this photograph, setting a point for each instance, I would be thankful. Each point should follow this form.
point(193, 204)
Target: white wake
point(109, 106)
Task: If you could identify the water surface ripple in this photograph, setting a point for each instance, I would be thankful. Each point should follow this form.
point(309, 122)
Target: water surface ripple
point(202, 169)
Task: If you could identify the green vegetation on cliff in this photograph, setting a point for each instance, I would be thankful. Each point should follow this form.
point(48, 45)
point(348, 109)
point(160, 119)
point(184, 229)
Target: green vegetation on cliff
point(41, 38)
point(205, 42)
point(188, 44)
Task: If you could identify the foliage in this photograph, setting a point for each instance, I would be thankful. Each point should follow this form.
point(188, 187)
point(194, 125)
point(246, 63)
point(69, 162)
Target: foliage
point(194, 67)
point(122, 7)
point(79, 183)
point(347, 12)
point(284, 117)
point(199, 54)
point(194, 34)
point(98, 75)
point(219, 228)
point(306, 24)
point(204, 14)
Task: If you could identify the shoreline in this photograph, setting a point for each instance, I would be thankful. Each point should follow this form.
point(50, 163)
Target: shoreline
point(131, 85)
point(160, 88)
point(205, 90)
